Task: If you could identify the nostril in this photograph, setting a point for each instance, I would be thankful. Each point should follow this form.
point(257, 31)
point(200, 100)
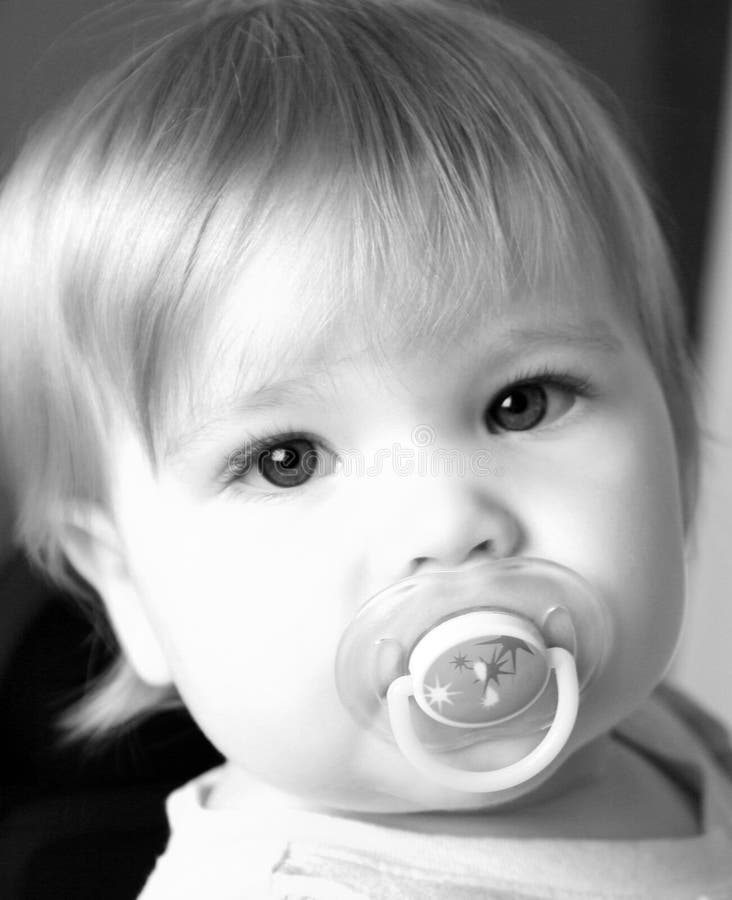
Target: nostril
point(479, 552)
point(478, 555)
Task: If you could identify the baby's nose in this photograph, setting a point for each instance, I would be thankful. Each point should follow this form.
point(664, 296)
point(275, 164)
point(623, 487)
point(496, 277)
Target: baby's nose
point(441, 523)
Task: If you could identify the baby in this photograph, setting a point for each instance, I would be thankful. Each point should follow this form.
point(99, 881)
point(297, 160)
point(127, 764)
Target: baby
point(311, 297)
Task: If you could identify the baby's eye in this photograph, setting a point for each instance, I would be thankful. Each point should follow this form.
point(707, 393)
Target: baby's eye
point(288, 464)
point(282, 462)
point(523, 406)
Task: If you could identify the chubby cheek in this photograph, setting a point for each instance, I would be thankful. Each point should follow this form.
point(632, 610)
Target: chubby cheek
point(614, 515)
point(250, 603)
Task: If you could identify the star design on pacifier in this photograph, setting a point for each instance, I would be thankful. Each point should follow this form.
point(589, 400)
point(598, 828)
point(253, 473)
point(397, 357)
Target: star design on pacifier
point(509, 647)
point(490, 671)
point(460, 661)
point(439, 693)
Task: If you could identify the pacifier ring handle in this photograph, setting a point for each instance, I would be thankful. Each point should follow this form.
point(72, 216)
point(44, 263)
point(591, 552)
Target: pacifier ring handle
point(402, 688)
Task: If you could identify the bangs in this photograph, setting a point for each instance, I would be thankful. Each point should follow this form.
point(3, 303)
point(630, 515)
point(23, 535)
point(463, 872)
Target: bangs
point(442, 147)
point(409, 273)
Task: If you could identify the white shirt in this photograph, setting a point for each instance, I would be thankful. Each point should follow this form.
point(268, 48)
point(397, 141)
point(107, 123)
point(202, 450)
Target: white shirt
point(290, 854)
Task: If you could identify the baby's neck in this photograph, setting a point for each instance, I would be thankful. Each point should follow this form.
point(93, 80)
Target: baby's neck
point(617, 796)
point(605, 792)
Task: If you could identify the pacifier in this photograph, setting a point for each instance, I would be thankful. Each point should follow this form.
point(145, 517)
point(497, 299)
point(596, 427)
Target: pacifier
point(445, 660)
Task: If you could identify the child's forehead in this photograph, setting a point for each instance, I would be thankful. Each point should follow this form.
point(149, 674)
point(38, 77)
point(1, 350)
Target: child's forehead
point(308, 283)
point(285, 325)
point(316, 287)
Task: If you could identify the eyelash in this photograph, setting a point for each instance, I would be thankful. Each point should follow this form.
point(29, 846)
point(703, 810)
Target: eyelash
point(547, 376)
point(249, 452)
point(579, 384)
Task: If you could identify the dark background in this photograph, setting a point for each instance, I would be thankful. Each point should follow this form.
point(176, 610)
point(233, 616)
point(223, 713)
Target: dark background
point(664, 60)
point(88, 826)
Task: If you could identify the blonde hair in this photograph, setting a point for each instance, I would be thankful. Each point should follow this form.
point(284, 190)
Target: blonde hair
point(456, 152)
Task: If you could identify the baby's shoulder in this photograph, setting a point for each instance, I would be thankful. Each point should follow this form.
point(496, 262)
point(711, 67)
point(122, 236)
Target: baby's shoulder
point(689, 747)
point(692, 718)
point(679, 735)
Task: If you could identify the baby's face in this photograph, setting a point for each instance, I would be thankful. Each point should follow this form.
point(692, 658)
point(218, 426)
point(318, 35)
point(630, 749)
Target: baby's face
point(253, 547)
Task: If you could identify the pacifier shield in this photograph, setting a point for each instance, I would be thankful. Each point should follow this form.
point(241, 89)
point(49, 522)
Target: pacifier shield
point(466, 672)
point(480, 668)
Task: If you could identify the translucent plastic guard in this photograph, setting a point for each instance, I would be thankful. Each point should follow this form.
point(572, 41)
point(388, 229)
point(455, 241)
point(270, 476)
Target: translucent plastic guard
point(508, 686)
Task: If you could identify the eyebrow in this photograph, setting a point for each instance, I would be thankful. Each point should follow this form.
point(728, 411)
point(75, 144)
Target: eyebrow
point(600, 338)
point(266, 397)
point(269, 396)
